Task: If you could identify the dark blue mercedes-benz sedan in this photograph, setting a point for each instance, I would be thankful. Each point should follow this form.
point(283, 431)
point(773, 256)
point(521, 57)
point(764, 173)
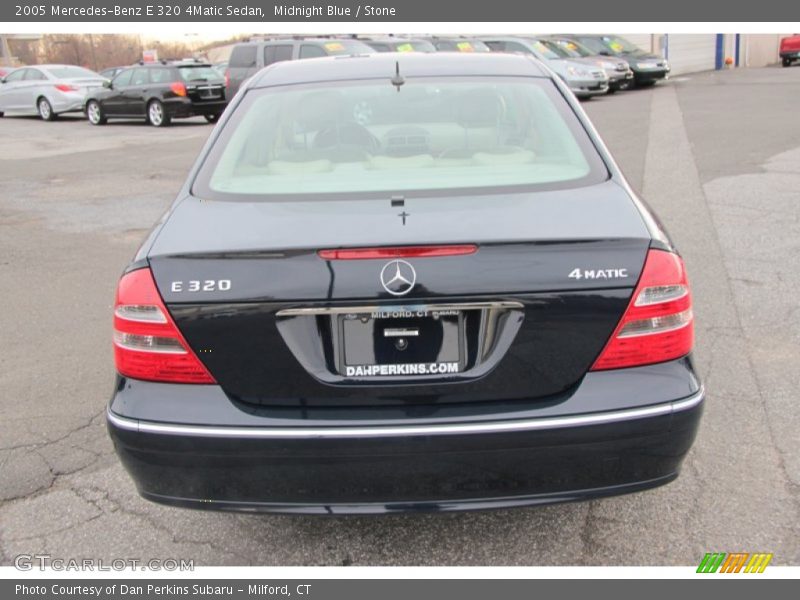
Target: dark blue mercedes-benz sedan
point(401, 282)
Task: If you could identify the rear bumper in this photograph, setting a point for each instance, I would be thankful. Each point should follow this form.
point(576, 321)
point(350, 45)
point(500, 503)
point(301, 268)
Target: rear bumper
point(492, 462)
point(65, 102)
point(183, 108)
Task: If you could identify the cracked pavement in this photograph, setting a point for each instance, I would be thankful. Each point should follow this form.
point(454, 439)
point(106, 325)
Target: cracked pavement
point(716, 154)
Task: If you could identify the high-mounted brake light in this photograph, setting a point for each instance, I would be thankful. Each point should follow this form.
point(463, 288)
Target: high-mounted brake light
point(397, 252)
point(63, 87)
point(178, 88)
point(658, 324)
point(147, 344)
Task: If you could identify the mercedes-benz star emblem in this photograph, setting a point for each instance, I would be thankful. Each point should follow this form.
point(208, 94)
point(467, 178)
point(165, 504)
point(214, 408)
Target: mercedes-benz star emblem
point(398, 277)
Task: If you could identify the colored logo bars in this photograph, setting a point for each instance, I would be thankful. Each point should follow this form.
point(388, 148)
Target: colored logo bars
point(734, 562)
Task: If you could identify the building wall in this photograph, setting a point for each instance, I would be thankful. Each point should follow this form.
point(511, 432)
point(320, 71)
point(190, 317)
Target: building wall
point(759, 50)
point(690, 53)
point(687, 53)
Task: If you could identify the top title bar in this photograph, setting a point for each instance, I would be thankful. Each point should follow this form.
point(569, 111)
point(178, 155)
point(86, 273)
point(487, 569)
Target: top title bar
point(441, 11)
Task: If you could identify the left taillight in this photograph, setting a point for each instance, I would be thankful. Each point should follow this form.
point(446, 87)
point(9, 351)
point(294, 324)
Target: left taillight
point(178, 88)
point(63, 87)
point(147, 343)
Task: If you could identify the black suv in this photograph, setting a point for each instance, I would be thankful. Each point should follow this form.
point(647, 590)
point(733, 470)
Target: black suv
point(160, 92)
point(249, 57)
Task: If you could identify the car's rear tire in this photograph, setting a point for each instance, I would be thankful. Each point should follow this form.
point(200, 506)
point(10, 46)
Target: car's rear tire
point(787, 62)
point(212, 118)
point(94, 113)
point(45, 109)
point(157, 114)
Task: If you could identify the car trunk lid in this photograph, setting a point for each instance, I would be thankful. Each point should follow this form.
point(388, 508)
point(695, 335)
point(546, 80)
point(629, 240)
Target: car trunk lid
point(524, 315)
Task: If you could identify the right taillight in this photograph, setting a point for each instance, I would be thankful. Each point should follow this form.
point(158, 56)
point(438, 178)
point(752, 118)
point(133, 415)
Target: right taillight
point(658, 324)
point(227, 78)
point(147, 343)
point(178, 88)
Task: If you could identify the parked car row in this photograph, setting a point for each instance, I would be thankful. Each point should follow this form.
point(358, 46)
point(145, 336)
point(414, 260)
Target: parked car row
point(159, 92)
point(590, 64)
point(583, 60)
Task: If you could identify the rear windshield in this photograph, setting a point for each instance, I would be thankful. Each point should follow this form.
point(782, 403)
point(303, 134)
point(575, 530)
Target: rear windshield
point(72, 72)
point(436, 136)
point(199, 73)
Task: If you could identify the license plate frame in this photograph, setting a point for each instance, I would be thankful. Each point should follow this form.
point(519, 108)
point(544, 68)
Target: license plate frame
point(369, 343)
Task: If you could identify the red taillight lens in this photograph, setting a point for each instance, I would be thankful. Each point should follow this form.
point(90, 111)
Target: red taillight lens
point(398, 252)
point(178, 88)
point(67, 88)
point(658, 324)
point(227, 78)
point(147, 344)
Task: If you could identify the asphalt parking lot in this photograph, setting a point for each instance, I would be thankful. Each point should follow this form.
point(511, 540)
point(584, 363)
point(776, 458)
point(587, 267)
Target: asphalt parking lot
point(716, 154)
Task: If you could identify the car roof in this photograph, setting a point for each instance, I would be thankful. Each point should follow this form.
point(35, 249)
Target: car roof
point(524, 38)
point(298, 40)
point(50, 66)
point(172, 63)
point(451, 37)
point(189, 63)
point(376, 66)
point(391, 39)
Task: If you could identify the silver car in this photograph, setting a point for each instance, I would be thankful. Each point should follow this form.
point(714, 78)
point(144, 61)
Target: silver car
point(585, 80)
point(620, 76)
point(46, 90)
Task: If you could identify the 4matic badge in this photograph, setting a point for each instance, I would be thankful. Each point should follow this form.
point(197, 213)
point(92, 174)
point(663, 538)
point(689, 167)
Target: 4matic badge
point(598, 274)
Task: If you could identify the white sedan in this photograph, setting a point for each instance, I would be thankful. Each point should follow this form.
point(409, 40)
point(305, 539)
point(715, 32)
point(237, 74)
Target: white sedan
point(46, 90)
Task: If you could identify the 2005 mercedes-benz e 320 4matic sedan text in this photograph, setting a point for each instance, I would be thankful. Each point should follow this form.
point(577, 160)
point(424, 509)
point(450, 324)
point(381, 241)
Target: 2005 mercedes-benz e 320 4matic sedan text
point(403, 282)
